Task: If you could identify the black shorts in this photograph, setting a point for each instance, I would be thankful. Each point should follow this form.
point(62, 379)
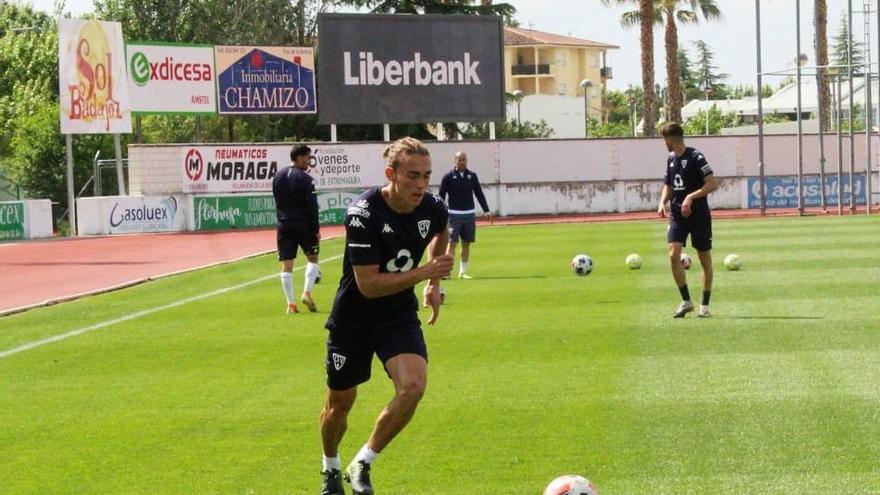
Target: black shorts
point(350, 352)
point(463, 226)
point(290, 237)
point(698, 226)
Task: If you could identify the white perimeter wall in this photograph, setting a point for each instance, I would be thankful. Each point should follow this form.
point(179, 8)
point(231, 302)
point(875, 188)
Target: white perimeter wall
point(569, 176)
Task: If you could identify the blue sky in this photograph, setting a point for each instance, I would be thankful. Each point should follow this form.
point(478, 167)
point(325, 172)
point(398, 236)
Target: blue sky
point(732, 38)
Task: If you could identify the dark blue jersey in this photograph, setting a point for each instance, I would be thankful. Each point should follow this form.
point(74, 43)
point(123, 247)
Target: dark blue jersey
point(685, 174)
point(296, 202)
point(462, 187)
point(377, 235)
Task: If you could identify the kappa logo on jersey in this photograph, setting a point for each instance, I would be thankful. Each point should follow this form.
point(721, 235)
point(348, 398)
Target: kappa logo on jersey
point(387, 229)
point(424, 227)
point(356, 222)
point(338, 361)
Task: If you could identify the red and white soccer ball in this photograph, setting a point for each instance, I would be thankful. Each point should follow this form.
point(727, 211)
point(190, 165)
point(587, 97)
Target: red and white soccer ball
point(685, 261)
point(570, 484)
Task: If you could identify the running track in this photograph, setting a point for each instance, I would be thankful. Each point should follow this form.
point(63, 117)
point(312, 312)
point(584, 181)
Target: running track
point(37, 273)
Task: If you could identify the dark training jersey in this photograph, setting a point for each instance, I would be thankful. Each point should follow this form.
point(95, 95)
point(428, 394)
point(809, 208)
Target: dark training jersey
point(685, 174)
point(296, 202)
point(462, 187)
point(377, 235)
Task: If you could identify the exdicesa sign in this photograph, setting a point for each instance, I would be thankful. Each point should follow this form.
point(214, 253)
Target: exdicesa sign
point(409, 69)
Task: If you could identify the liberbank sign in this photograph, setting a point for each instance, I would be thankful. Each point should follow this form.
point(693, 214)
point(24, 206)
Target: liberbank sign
point(406, 69)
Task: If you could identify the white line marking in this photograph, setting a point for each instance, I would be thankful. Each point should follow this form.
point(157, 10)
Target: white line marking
point(138, 314)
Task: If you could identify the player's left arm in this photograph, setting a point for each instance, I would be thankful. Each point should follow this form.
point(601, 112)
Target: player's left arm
point(431, 293)
point(478, 192)
point(709, 185)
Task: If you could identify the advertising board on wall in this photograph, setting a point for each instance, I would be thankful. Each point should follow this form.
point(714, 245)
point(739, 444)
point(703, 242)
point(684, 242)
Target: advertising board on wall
point(92, 81)
point(146, 214)
point(250, 168)
point(782, 192)
point(407, 69)
point(258, 211)
point(11, 220)
point(171, 78)
point(265, 79)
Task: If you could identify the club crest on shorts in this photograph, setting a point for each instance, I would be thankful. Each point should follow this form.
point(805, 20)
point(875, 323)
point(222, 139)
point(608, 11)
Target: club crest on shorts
point(424, 227)
point(338, 361)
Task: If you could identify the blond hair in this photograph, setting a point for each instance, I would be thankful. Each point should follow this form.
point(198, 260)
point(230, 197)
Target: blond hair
point(407, 146)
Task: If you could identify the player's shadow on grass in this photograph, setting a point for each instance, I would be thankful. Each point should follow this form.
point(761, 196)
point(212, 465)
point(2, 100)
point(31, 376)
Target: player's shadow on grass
point(771, 317)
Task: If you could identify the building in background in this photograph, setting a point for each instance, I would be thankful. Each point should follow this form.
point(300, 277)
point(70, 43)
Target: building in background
point(548, 69)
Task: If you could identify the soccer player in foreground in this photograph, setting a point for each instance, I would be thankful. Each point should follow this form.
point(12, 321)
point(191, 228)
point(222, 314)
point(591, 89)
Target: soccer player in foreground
point(376, 312)
point(296, 210)
point(689, 179)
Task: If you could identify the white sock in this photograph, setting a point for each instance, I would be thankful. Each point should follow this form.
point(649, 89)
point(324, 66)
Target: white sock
point(462, 267)
point(311, 275)
point(332, 463)
point(366, 454)
point(287, 285)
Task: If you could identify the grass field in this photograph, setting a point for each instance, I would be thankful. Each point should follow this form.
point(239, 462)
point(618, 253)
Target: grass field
point(534, 373)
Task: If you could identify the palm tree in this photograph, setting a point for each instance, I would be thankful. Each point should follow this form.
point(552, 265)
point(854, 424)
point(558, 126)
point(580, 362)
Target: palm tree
point(822, 60)
point(685, 12)
point(644, 17)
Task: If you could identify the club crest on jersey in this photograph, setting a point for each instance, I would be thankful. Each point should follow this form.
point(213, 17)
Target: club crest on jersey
point(684, 164)
point(424, 227)
point(338, 361)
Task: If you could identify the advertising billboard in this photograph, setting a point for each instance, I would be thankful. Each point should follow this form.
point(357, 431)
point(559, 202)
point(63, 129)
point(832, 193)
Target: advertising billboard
point(408, 69)
point(782, 192)
point(171, 78)
point(92, 80)
point(265, 79)
point(250, 168)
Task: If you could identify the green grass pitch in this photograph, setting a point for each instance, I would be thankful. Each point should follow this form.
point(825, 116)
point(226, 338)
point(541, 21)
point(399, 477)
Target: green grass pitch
point(533, 373)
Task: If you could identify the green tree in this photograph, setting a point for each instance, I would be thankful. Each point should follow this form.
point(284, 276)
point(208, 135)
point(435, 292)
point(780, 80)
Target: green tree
point(466, 7)
point(509, 130)
point(707, 72)
point(717, 121)
point(840, 48)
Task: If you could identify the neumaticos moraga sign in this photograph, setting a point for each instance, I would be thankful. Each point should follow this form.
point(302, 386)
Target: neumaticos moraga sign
point(410, 68)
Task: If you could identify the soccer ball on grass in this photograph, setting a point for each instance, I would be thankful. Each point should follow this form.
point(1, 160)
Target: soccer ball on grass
point(634, 261)
point(570, 484)
point(732, 262)
point(685, 261)
point(582, 265)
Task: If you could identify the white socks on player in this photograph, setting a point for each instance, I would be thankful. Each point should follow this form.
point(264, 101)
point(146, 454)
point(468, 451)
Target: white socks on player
point(462, 267)
point(332, 463)
point(366, 454)
point(312, 272)
point(287, 285)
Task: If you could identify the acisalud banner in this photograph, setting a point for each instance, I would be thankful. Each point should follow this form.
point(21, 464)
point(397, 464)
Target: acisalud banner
point(408, 69)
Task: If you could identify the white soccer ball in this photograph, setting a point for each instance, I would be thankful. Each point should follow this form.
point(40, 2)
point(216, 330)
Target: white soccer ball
point(571, 484)
point(732, 262)
point(634, 261)
point(685, 261)
point(582, 265)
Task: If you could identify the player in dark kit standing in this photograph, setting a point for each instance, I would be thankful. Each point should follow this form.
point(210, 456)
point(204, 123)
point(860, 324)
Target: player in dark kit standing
point(296, 210)
point(688, 181)
point(462, 185)
point(376, 311)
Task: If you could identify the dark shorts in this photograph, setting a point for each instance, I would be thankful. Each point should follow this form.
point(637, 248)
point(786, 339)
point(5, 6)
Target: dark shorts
point(290, 237)
point(464, 226)
point(350, 352)
point(698, 226)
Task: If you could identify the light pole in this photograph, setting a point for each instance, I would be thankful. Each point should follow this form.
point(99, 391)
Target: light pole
point(586, 84)
point(518, 94)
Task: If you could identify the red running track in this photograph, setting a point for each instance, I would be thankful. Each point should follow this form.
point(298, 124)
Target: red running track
point(36, 273)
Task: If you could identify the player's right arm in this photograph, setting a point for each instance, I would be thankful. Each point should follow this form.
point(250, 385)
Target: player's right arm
point(373, 283)
point(444, 187)
point(663, 208)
